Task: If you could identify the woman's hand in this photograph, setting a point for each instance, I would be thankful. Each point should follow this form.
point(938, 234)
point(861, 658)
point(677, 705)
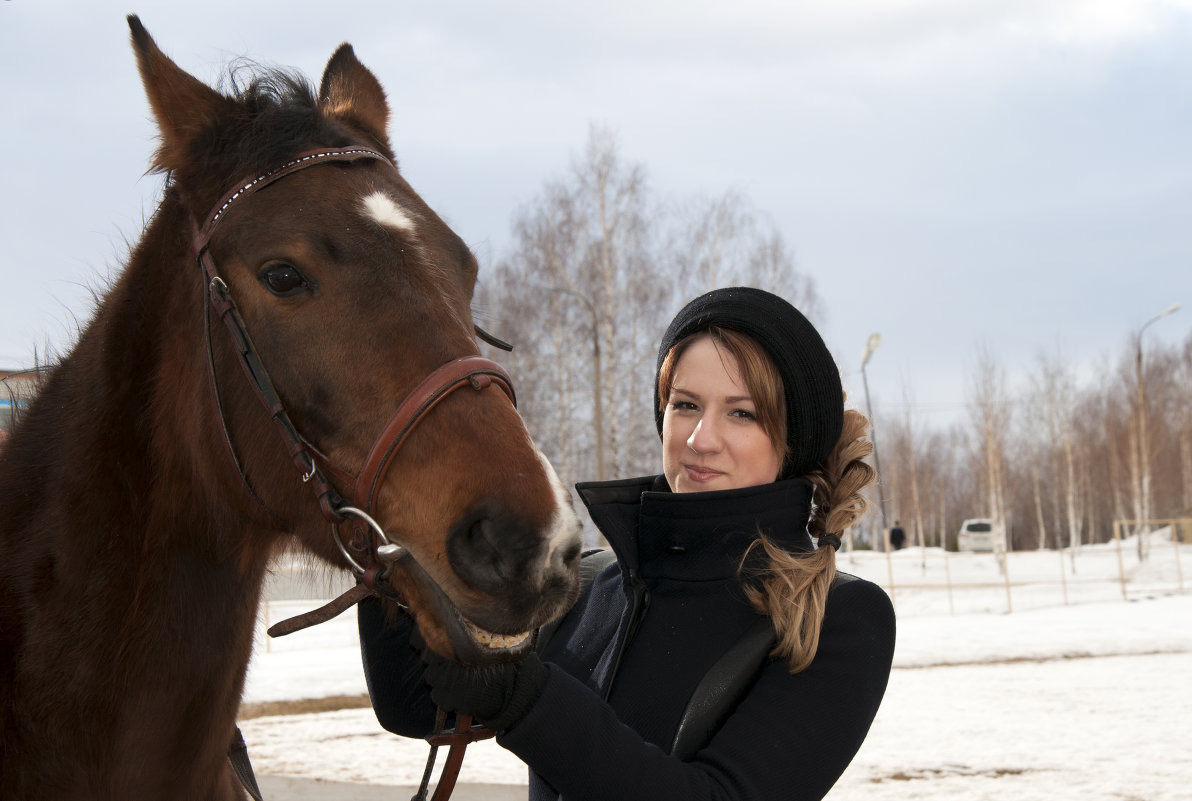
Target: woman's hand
point(498, 696)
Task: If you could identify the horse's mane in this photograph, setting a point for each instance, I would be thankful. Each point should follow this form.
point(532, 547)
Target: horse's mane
point(282, 107)
point(274, 113)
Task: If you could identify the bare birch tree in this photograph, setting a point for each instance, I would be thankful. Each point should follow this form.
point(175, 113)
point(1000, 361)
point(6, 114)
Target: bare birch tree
point(596, 269)
point(990, 411)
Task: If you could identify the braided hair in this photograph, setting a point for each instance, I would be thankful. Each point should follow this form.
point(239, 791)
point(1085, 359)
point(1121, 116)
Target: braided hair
point(792, 588)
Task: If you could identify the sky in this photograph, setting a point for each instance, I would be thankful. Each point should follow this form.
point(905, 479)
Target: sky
point(1006, 175)
point(1051, 701)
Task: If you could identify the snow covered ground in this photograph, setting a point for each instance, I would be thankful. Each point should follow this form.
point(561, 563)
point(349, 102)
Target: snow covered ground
point(1087, 700)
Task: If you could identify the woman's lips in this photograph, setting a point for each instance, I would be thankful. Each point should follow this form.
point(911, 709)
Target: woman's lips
point(701, 474)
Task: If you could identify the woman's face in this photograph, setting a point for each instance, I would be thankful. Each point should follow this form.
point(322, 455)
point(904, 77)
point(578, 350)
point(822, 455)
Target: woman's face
point(711, 439)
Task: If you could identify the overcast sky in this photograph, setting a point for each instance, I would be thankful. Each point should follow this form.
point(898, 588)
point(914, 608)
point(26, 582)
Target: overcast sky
point(1013, 173)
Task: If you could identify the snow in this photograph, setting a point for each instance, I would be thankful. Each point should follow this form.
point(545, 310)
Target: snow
point(1087, 700)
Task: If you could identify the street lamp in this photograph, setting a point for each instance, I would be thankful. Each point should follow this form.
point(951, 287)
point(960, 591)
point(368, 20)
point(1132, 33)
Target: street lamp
point(872, 344)
point(1143, 510)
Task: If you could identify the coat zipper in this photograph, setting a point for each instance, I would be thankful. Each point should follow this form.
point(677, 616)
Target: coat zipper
point(640, 601)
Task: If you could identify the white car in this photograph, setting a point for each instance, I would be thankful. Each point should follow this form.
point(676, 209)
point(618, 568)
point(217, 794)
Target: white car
point(977, 534)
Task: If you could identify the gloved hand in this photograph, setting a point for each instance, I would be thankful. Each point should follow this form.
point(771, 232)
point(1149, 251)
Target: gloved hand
point(498, 696)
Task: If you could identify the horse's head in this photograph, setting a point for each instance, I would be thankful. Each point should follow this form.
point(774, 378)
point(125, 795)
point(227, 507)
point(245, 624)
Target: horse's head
point(352, 291)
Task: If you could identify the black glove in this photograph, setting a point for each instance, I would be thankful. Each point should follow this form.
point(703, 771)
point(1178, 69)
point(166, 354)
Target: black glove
point(498, 696)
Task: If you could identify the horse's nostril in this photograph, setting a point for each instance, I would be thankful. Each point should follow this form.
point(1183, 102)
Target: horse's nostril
point(492, 552)
point(485, 550)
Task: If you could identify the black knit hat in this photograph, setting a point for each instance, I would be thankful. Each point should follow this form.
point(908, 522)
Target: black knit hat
point(810, 379)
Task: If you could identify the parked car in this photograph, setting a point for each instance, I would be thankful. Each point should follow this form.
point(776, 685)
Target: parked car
point(979, 534)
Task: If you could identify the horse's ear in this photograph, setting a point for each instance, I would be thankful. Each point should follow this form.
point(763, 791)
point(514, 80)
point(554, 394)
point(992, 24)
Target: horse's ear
point(181, 103)
point(353, 94)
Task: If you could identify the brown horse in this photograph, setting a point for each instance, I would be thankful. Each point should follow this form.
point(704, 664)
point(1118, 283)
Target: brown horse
point(146, 488)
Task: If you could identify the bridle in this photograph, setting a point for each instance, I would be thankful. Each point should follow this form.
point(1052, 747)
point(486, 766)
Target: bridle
point(369, 553)
point(475, 371)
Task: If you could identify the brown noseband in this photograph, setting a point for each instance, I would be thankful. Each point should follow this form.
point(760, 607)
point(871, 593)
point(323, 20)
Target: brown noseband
point(474, 371)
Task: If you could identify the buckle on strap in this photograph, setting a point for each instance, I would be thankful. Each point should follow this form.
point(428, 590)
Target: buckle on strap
point(458, 739)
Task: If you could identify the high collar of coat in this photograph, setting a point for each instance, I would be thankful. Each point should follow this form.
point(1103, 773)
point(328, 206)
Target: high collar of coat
point(696, 536)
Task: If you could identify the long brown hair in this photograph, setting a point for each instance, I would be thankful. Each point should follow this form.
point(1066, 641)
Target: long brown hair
point(794, 586)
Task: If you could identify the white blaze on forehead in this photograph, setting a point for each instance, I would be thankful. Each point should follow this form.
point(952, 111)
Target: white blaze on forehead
point(381, 208)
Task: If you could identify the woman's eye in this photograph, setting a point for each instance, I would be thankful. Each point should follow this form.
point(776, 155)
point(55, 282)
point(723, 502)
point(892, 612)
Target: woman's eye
point(743, 414)
point(284, 279)
point(682, 406)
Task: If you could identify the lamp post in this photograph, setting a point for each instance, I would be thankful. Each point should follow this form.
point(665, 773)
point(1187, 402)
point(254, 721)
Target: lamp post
point(1143, 509)
point(872, 344)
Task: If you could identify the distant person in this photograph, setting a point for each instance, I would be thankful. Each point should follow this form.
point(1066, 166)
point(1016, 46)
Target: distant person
point(897, 536)
point(762, 468)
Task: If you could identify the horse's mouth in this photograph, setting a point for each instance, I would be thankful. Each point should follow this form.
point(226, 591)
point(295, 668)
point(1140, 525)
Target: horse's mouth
point(492, 641)
point(471, 643)
point(474, 644)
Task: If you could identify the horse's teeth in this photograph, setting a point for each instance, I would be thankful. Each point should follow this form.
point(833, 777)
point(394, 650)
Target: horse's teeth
point(499, 641)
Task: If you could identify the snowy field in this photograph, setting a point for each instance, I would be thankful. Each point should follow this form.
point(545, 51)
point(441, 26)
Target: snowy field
point(1087, 700)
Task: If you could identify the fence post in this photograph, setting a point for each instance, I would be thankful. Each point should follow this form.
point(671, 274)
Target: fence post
point(1006, 576)
point(1117, 538)
point(1175, 545)
point(1063, 576)
point(948, 581)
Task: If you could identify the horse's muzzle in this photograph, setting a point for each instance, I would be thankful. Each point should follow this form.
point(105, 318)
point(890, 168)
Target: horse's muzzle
point(529, 574)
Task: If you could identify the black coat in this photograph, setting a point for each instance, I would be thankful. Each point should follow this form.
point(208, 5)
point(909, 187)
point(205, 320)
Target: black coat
point(644, 635)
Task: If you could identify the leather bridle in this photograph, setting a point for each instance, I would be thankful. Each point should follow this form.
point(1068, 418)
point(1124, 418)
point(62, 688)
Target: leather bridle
point(369, 553)
point(363, 487)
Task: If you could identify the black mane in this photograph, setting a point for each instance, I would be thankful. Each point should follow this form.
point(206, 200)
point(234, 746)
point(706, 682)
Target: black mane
point(276, 115)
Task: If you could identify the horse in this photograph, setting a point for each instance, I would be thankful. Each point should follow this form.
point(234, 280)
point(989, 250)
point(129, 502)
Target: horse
point(287, 355)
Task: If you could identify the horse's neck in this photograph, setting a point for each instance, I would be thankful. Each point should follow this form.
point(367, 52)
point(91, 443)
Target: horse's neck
point(123, 438)
point(127, 597)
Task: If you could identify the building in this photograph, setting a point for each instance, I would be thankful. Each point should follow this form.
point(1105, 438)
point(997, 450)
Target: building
point(17, 388)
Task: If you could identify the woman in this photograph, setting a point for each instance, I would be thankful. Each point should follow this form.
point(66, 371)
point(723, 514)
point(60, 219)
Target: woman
point(759, 456)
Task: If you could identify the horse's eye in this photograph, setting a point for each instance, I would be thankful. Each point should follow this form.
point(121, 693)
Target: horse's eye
point(283, 279)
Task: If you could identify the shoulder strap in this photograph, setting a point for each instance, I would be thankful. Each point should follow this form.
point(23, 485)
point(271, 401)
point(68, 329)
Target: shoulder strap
point(721, 688)
point(726, 683)
point(590, 565)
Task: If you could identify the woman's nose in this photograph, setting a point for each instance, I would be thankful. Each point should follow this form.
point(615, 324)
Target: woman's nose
point(704, 438)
